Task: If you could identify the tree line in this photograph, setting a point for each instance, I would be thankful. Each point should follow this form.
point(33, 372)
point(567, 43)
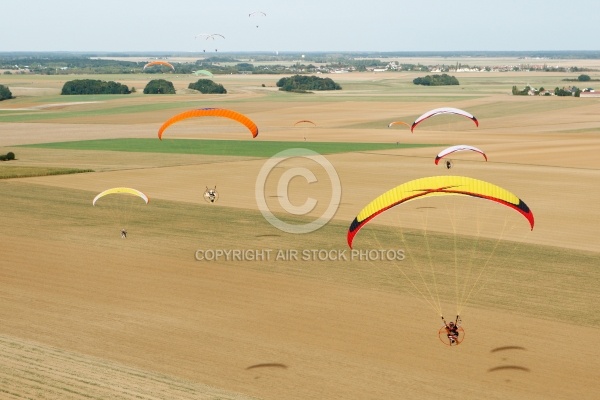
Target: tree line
point(529, 91)
point(296, 83)
point(155, 86)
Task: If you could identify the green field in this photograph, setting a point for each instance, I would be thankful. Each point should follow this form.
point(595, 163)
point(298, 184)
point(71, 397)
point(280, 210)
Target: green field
point(17, 171)
point(36, 115)
point(248, 148)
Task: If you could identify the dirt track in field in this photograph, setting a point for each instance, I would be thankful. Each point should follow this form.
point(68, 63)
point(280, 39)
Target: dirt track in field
point(103, 319)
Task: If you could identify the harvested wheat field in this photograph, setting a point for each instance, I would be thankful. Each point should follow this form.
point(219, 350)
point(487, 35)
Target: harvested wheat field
point(87, 314)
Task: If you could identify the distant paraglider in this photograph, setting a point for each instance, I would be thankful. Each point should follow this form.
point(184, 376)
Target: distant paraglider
point(452, 149)
point(393, 123)
point(440, 111)
point(121, 190)
point(163, 63)
point(121, 203)
point(304, 122)
point(211, 112)
point(256, 14)
point(203, 72)
point(215, 36)
point(209, 36)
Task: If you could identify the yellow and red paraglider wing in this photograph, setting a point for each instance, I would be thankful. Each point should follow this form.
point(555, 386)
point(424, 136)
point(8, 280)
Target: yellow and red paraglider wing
point(211, 112)
point(123, 190)
point(437, 186)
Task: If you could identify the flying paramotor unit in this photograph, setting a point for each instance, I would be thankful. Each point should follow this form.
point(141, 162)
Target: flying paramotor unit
point(443, 335)
point(211, 195)
point(460, 234)
point(122, 204)
point(257, 14)
point(209, 36)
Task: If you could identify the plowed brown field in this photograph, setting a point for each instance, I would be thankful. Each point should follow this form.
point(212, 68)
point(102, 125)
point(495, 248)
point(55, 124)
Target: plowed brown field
point(85, 314)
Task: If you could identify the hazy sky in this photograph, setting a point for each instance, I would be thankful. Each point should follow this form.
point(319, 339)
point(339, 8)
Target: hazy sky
point(303, 25)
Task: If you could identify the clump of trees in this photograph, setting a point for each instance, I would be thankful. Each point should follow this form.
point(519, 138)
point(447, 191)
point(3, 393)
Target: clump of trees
point(244, 67)
point(436, 80)
point(5, 93)
point(564, 92)
point(159, 86)
point(301, 83)
point(93, 86)
point(582, 78)
point(528, 90)
point(517, 92)
point(7, 157)
point(206, 86)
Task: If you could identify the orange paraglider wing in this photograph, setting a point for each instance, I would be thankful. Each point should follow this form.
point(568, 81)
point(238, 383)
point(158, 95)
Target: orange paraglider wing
point(166, 64)
point(211, 112)
point(397, 123)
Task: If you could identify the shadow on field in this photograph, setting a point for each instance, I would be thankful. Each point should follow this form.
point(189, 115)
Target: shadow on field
point(267, 365)
point(509, 367)
point(503, 348)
